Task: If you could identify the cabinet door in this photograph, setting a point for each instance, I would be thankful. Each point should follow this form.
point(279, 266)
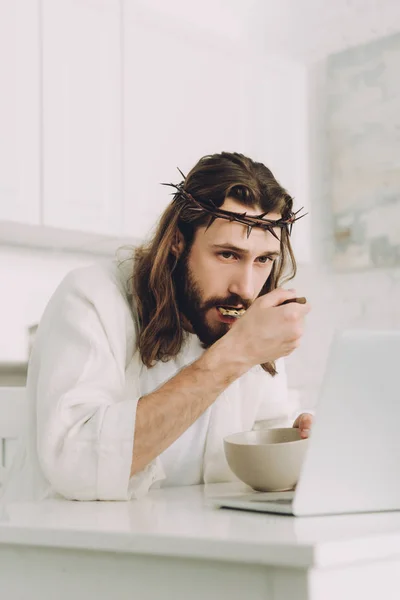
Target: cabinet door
point(19, 111)
point(183, 98)
point(82, 115)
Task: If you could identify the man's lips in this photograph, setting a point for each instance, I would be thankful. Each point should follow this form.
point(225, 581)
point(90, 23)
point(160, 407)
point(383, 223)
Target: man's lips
point(230, 306)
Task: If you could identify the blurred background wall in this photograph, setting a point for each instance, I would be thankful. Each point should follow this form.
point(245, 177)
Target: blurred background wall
point(102, 100)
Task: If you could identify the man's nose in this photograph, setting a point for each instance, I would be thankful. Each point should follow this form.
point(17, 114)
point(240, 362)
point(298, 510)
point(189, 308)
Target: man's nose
point(243, 284)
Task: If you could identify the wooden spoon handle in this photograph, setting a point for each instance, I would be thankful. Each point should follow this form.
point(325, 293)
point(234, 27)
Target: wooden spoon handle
point(300, 300)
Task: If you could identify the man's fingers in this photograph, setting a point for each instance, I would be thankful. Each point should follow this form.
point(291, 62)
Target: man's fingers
point(276, 297)
point(304, 423)
point(305, 433)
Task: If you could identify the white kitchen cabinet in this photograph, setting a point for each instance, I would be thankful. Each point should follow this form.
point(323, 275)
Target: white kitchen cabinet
point(184, 96)
point(82, 115)
point(19, 111)
point(102, 100)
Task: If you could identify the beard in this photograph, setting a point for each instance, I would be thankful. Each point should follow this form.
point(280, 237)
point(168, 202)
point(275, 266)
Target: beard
point(194, 308)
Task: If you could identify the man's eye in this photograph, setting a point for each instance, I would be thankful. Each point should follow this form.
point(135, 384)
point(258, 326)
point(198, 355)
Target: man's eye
point(264, 259)
point(226, 255)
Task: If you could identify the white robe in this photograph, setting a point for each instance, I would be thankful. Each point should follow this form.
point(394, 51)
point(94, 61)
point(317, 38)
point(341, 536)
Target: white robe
point(83, 389)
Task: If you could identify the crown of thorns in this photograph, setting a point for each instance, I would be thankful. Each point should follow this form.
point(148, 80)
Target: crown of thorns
point(196, 208)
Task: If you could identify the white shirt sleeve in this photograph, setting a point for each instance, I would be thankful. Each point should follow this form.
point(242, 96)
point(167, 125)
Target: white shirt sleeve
point(85, 411)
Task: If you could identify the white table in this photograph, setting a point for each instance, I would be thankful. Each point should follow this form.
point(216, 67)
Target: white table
point(173, 545)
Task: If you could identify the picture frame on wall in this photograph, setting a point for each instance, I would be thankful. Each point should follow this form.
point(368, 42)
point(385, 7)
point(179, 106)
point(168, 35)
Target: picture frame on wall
point(363, 138)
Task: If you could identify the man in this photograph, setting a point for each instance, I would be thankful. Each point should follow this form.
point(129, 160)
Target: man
point(141, 368)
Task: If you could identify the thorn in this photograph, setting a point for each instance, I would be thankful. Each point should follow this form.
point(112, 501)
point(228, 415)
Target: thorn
point(210, 222)
point(184, 176)
point(300, 217)
point(271, 230)
point(249, 228)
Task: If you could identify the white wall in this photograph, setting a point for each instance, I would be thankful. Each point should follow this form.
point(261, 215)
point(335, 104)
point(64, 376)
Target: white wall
point(358, 299)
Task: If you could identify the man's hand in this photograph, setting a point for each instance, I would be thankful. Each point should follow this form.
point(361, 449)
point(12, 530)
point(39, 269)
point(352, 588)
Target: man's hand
point(304, 423)
point(268, 330)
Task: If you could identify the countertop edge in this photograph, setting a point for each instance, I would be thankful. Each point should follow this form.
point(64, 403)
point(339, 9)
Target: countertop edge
point(189, 548)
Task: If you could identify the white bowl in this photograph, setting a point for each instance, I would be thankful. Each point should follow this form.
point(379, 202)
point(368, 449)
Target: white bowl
point(268, 460)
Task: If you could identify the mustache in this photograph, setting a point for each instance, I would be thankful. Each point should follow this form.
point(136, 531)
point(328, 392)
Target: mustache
point(232, 300)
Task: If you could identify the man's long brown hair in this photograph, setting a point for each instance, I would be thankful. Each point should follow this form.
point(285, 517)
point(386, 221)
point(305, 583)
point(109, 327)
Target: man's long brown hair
point(214, 177)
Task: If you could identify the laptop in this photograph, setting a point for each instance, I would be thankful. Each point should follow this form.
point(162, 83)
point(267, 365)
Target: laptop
point(352, 462)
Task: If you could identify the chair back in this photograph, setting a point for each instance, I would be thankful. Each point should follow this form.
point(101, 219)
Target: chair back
point(12, 411)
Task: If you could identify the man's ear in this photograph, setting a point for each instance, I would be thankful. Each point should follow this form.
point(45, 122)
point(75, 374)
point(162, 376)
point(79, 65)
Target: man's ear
point(178, 244)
